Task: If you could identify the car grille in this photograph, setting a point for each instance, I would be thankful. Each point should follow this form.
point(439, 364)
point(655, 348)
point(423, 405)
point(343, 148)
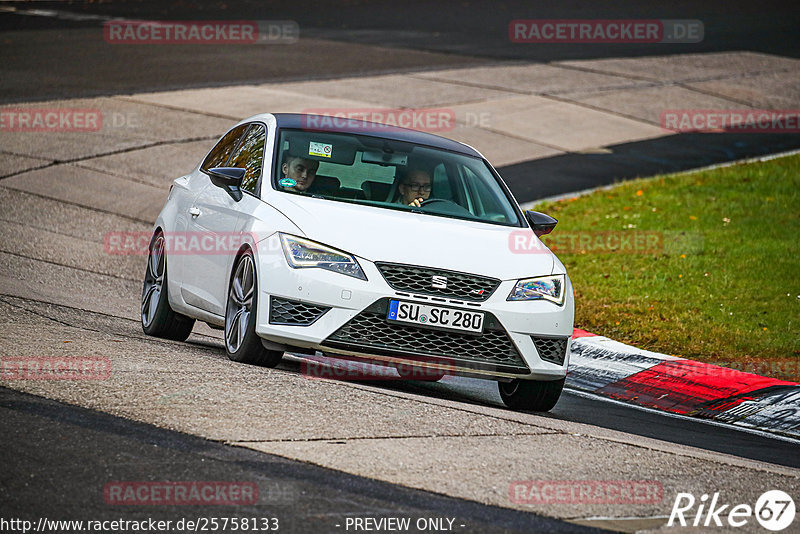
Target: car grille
point(552, 349)
point(420, 280)
point(293, 312)
point(370, 329)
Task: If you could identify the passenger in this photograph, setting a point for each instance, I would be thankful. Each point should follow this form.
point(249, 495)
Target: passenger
point(301, 171)
point(415, 188)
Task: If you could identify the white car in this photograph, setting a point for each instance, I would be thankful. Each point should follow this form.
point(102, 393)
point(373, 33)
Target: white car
point(295, 237)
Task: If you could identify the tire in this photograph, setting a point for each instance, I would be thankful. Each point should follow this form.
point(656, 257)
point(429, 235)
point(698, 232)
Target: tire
point(242, 344)
point(531, 395)
point(158, 318)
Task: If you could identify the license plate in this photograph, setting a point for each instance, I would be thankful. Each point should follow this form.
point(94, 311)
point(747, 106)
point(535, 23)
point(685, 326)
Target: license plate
point(435, 316)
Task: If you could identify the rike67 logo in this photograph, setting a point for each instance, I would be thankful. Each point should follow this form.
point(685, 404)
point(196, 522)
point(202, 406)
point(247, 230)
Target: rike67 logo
point(774, 510)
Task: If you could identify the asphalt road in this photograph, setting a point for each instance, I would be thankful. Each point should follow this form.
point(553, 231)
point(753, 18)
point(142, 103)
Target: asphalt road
point(63, 455)
point(50, 55)
point(59, 458)
point(53, 50)
point(592, 410)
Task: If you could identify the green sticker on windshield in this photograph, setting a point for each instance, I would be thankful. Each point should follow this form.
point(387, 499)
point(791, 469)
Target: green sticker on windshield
point(322, 150)
point(287, 182)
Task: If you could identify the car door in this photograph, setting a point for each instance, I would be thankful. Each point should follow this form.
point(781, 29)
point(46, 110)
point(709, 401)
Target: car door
point(207, 213)
point(216, 222)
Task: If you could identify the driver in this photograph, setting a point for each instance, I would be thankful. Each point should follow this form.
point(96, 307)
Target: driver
point(301, 171)
point(415, 188)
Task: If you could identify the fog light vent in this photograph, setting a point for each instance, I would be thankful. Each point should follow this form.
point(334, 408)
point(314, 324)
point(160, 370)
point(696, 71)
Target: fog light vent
point(551, 349)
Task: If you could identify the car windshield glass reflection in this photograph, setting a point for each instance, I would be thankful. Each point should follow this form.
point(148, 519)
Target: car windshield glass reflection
point(391, 175)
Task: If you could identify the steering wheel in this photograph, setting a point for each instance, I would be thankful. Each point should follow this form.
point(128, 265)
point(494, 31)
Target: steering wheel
point(445, 206)
point(430, 201)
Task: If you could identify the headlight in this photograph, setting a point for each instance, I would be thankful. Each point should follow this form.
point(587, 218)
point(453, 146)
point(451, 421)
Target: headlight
point(304, 253)
point(541, 288)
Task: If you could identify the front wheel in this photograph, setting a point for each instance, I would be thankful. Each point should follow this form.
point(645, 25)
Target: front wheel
point(158, 318)
point(242, 344)
point(531, 395)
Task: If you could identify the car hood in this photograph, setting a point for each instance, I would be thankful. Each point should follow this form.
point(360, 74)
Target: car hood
point(377, 234)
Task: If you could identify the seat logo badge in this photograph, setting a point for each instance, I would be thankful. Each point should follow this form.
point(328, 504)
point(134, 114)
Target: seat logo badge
point(439, 282)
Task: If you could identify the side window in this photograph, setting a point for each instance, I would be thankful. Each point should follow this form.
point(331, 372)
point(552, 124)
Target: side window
point(441, 183)
point(221, 152)
point(250, 156)
point(485, 201)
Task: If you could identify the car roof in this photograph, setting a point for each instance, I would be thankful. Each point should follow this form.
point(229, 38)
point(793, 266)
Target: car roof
point(324, 123)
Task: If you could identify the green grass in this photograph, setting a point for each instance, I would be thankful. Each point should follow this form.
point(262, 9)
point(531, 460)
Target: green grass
point(723, 283)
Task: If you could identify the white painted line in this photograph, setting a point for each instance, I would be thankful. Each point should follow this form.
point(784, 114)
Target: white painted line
point(52, 13)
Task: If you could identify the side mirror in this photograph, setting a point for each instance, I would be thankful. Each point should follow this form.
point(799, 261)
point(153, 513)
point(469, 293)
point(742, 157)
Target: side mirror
point(228, 178)
point(541, 223)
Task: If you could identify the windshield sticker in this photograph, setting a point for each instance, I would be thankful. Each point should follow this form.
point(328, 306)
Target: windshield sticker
point(287, 182)
point(320, 149)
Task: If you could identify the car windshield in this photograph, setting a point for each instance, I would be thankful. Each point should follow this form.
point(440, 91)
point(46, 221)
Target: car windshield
point(391, 174)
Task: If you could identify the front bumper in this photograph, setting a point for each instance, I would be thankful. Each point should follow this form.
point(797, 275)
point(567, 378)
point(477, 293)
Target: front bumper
point(346, 316)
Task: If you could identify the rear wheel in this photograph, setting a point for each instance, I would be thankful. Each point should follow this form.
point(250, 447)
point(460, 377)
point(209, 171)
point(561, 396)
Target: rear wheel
point(531, 395)
point(242, 344)
point(158, 318)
